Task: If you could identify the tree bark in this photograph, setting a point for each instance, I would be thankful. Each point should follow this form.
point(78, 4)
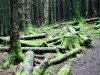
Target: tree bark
point(28, 64)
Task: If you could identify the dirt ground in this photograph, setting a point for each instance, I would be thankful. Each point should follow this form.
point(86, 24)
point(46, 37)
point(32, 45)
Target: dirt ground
point(89, 63)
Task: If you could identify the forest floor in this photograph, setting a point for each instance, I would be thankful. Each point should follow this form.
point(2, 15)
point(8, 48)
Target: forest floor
point(84, 63)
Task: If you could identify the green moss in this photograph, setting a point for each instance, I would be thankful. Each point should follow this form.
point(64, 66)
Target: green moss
point(70, 41)
point(17, 73)
point(64, 71)
point(29, 30)
point(33, 43)
point(39, 72)
point(46, 28)
point(47, 72)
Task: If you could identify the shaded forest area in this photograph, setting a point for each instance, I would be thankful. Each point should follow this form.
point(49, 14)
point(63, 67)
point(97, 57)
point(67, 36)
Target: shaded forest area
point(36, 36)
point(45, 12)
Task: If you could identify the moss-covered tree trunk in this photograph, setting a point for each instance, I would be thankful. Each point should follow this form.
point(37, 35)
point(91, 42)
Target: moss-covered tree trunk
point(15, 45)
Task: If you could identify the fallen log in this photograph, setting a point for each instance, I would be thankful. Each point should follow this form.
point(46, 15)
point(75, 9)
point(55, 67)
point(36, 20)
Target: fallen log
point(64, 56)
point(37, 61)
point(25, 42)
point(28, 37)
point(72, 30)
point(77, 28)
point(92, 19)
point(57, 42)
point(65, 70)
point(84, 38)
point(47, 62)
point(96, 27)
point(28, 64)
point(74, 23)
point(41, 68)
point(53, 39)
point(33, 43)
point(35, 49)
point(39, 56)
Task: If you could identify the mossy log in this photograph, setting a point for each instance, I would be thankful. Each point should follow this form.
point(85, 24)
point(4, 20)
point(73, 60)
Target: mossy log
point(4, 40)
point(65, 70)
point(39, 56)
point(64, 56)
point(92, 19)
point(28, 37)
point(84, 38)
point(70, 41)
point(56, 42)
point(53, 39)
point(74, 23)
point(37, 61)
point(41, 68)
point(28, 64)
point(25, 43)
point(77, 28)
point(33, 43)
point(72, 30)
point(35, 49)
point(96, 27)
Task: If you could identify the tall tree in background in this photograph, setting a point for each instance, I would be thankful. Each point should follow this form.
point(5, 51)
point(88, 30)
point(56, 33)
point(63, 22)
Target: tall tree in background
point(83, 8)
point(28, 12)
point(46, 11)
point(90, 11)
point(15, 46)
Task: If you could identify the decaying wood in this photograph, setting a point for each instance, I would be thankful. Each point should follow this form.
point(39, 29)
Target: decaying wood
point(77, 28)
point(80, 34)
point(39, 56)
point(27, 37)
point(57, 42)
point(96, 27)
point(65, 70)
point(70, 41)
point(28, 64)
point(74, 23)
point(53, 39)
point(72, 30)
point(37, 61)
point(33, 43)
point(64, 56)
point(41, 49)
point(26, 42)
point(41, 68)
point(35, 49)
point(92, 19)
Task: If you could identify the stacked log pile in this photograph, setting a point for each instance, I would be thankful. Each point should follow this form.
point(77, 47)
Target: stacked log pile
point(68, 43)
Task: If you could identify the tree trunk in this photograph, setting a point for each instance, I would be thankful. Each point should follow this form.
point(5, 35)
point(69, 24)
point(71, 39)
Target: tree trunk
point(46, 12)
point(15, 45)
point(28, 12)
